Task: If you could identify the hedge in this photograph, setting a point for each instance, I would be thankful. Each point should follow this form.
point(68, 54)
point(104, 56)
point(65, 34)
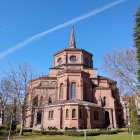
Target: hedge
point(74, 133)
point(122, 130)
point(27, 130)
point(108, 132)
point(5, 132)
point(24, 130)
point(136, 132)
point(81, 133)
point(52, 132)
point(3, 127)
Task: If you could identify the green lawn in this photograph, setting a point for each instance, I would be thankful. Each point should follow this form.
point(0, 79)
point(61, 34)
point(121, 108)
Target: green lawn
point(120, 136)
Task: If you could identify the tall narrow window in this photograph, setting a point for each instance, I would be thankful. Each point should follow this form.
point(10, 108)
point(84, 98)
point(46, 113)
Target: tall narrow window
point(85, 92)
point(61, 91)
point(49, 116)
point(73, 90)
point(52, 114)
point(67, 113)
point(74, 113)
point(104, 101)
point(39, 116)
point(59, 61)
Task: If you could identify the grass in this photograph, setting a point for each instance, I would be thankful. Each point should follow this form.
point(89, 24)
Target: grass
point(120, 136)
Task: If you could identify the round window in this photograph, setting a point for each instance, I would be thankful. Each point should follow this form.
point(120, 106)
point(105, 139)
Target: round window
point(73, 58)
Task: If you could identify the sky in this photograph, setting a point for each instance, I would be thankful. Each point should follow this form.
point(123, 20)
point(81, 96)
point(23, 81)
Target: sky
point(21, 21)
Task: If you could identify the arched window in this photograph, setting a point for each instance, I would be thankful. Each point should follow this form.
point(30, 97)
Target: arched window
point(104, 101)
point(73, 90)
point(84, 92)
point(59, 61)
point(67, 113)
point(74, 113)
point(61, 91)
point(52, 114)
point(49, 116)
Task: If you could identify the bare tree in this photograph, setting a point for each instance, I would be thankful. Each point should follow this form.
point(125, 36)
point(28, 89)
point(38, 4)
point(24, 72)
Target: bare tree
point(28, 101)
point(25, 99)
point(5, 95)
point(7, 105)
point(122, 66)
point(20, 76)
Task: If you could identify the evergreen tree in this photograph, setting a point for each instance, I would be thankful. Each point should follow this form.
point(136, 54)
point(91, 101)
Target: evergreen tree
point(133, 117)
point(137, 41)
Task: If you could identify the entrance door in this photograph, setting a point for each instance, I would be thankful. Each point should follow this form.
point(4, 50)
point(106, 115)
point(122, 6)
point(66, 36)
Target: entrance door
point(107, 120)
point(39, 117)
point(61, 118)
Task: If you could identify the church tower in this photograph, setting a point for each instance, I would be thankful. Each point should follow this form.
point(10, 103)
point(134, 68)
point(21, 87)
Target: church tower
point(73, 57)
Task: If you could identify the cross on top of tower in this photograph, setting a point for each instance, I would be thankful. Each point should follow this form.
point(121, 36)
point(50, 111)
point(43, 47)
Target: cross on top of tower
point(72, 39)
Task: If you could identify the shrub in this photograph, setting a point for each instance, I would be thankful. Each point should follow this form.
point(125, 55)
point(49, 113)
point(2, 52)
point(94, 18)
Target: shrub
point(13, 126)
point(5, 132)
point(17, 129)
point(36, 132)
point(81, 133)
point(92, 133)
point(136, 132)
point(27, 130)
point(27, 133)
point(24, 129)
point(52, 132)
point(122, 129)
point(108, 132)
point(2, 127)
point(74, 133)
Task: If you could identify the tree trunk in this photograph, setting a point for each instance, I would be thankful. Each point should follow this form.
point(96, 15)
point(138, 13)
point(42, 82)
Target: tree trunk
point(10, 129)
point(21, 128)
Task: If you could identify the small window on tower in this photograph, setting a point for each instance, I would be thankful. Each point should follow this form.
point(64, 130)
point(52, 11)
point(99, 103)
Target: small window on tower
point(59, 61)
point(86, 61)
point(73, 58)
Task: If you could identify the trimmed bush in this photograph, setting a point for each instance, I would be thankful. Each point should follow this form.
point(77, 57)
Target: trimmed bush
point(136, 132)
point(5, 132)
point(2, 127)
point(74, 133)
point(81, 133)
point(92, 133)
point(122, 129)
point(24, 129)
point(52, 132)
point(36, 132)
point(108, 132)
point(27, 130)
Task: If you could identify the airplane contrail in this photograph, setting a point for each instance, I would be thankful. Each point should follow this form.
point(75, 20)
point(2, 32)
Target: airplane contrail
point(31, 39)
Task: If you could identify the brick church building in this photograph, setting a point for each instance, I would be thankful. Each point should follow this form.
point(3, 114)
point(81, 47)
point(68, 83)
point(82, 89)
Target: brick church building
point(75, 95)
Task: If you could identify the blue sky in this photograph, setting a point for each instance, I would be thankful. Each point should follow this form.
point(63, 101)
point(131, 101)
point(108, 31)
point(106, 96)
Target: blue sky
point(99, 34)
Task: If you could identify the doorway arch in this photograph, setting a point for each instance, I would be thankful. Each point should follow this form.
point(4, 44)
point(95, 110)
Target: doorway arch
point(107, 119)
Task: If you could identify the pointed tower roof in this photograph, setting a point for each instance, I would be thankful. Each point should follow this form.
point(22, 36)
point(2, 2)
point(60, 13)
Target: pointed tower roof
point(72, 39)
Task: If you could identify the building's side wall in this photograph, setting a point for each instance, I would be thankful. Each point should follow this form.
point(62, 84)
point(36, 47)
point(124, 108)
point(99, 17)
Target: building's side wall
point(70, 122)
point(54, 121)
point(107, 93)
